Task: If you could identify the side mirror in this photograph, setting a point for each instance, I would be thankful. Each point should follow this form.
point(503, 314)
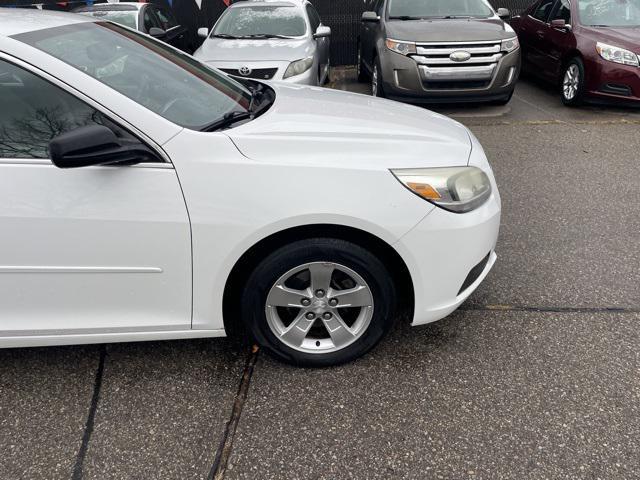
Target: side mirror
point(156, 32)
point(370, 17)
point(504, 13)
point(203, 32)
point(322, 32)
point(94, 145)
point(560, 24)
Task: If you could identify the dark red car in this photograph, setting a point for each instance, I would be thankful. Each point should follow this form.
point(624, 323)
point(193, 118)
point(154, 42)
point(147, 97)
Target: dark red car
point(590, 48)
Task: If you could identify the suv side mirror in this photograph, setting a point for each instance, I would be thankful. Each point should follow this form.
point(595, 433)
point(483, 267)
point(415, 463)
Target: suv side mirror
point(560, 24)
point(370, 17)
point(95, 145)
point(156, 32)
point(203, 32)
point(322, 31)
point(504, 13)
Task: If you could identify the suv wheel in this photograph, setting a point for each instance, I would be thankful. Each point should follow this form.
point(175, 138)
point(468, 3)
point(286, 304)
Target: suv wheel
point(318, 302)
point(572, 88)
point(376, 80)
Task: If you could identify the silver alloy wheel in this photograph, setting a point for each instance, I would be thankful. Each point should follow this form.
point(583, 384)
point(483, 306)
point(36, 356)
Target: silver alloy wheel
point(319, 307)
point(571, 82)
point(374, 81)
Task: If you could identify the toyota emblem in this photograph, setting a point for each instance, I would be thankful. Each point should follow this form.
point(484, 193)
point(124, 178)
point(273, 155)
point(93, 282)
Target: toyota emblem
point(245, 71)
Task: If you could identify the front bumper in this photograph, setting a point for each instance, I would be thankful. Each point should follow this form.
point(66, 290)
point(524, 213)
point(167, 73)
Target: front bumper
point(610, 81)
point(441, 253)
point(266, 70)
point(407, 80)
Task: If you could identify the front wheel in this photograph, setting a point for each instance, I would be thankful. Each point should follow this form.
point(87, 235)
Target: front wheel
point(319, 302)
point(376, 80)
point(573, 82)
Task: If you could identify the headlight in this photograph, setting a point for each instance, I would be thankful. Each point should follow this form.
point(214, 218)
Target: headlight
point(617, 54)
point(457, 189)
point(298, 67)
point(403, 48)
point(510, 45)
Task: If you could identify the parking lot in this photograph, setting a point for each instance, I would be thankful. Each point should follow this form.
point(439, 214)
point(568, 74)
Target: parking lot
point(536, 377)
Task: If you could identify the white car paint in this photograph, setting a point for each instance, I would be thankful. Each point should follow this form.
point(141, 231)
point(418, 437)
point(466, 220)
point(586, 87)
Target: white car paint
point(108, 254)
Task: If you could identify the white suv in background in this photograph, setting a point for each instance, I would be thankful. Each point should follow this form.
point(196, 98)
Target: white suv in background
point(269, 40)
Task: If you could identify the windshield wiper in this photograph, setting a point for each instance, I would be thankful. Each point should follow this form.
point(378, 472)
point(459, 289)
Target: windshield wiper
point(405, 18)
point(227, 120)
point(453, 17)
point(225, 35)
point(264, 35)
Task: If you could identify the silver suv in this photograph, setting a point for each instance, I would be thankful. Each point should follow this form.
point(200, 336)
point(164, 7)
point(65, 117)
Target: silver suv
point(269, 39)
point(437, 51)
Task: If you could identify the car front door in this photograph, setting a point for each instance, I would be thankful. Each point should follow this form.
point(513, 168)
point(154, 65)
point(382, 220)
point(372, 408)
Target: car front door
point(103, 249)
point(558, 41)
point(533, 33)
point(323, 43)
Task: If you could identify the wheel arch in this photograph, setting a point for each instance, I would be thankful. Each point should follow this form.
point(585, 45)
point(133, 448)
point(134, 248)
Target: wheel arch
point(250, 259)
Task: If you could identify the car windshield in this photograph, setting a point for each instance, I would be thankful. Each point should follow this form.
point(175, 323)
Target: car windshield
point(610, 13)
point(261, 21)
point(416, 9)
point(128, 19)
point(167, 82)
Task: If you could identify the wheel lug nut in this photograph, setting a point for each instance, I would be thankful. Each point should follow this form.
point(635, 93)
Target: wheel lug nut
point(319, 293)
point(333, 302)
point(310, 316)
point(327, 316)
point(305, 302)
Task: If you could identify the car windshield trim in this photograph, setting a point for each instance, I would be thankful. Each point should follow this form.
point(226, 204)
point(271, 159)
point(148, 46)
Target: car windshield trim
point(183, 91)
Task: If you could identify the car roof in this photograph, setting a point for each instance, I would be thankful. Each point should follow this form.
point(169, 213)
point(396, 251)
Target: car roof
point(14, 21)
point(112, 7)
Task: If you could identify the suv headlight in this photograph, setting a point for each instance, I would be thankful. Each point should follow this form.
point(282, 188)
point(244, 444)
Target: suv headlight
point(617, 54)
point(510, 45)
point(298, 67)
point(457, 189)
point(403, 48)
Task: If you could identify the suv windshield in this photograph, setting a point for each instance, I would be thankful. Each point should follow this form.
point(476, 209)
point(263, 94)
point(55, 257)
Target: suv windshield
point(410, 9)
point(160, 78)
point(261, 21)
point(128, 19)
point(610, 13)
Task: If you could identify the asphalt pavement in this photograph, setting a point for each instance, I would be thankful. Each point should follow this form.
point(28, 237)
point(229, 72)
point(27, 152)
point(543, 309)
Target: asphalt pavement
point(536, 377)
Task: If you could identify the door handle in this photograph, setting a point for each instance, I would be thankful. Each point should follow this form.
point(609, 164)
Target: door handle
point(540, 34)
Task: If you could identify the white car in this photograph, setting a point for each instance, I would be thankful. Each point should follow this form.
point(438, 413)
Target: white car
point(146, 196)
point(269, 40)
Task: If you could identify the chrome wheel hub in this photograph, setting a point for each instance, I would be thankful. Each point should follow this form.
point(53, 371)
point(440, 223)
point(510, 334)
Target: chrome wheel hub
point(571, 82)
point(319, 307)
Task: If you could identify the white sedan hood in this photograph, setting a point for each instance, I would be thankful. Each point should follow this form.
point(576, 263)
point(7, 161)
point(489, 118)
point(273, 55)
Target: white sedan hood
point(332, 128)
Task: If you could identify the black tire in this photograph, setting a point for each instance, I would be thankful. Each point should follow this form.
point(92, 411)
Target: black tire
point(340, 252)
point(376, 77)
point(575, 65)
point(362, 74)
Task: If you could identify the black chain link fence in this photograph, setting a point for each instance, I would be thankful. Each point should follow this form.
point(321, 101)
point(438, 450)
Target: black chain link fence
point(343, 16)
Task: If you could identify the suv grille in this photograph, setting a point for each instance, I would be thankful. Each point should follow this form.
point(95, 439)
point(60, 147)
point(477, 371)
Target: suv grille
point(258, 73)
point(453, 66)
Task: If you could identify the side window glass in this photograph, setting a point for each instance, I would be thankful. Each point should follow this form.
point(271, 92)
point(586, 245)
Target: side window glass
point(563, 12)
point(378, 6)
point(149, 20)
point(544, 9)
point(167, 21)
point(314, 18)
point(34, 111)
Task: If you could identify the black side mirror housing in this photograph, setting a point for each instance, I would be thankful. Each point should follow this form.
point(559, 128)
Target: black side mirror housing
point(156, 32)
point(370, 17)
point(504, 13)
point(95, 145)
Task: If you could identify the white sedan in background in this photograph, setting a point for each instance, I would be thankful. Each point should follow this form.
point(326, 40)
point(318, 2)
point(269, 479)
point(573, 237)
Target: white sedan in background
point(146, 196)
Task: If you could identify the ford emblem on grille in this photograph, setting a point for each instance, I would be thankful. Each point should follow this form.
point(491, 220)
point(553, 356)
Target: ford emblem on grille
point(245, 71)
point(460, 56)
